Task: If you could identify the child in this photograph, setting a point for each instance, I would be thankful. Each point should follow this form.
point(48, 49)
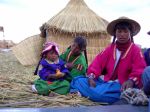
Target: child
point(52, 72)
point(75, 60)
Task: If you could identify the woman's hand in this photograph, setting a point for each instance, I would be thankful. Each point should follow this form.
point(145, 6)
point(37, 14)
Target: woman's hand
point(91, 82)
point(127, 84)
point(69, 65)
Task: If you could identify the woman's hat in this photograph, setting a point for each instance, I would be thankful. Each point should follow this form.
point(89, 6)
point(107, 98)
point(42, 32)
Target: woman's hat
point(135, 25)
point(49, 45)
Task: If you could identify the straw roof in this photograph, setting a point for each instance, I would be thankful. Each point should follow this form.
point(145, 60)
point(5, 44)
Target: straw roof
point(76, 17)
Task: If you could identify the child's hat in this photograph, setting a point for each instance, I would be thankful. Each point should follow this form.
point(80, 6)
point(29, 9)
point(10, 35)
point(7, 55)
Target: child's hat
point(49, 45)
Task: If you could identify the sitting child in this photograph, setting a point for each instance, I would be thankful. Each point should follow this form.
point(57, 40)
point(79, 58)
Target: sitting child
point(52, 72)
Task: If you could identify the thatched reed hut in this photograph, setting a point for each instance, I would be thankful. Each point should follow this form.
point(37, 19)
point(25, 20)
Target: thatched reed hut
point(77, 19)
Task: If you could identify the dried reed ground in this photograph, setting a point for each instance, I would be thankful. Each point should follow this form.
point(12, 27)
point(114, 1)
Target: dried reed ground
point(15, 87)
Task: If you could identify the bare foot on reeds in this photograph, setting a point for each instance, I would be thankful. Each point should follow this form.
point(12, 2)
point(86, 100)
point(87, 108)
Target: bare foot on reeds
point(76, 93)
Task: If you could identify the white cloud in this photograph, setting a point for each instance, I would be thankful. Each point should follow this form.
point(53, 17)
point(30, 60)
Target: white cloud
point(135, 9)
point(22, 18)
point(22, 22)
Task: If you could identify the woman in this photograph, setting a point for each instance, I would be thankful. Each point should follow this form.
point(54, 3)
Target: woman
point(121, 63)
point(147, 54)
point(146, 73)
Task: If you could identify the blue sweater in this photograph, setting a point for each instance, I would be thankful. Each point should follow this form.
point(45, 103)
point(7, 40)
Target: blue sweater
point(48, 68)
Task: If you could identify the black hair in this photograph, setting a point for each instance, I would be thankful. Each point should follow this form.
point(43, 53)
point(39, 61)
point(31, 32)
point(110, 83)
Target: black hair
point(81, 41)
point(123, 25)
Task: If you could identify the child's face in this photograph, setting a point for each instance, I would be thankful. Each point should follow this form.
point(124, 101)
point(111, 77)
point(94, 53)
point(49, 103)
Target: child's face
point(75, 49)
point(52, 55)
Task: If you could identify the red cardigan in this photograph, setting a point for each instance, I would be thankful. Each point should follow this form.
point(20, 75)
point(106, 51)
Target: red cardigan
point(131, 64)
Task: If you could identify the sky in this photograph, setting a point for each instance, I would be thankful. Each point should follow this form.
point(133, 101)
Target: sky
point(22, 18)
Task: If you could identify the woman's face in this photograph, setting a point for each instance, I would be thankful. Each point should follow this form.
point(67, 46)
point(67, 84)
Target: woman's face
point(123, 35)
point(52, 55)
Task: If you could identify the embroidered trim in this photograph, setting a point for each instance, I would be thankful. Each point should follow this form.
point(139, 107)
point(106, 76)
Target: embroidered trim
point(127, 51)
point(79, 67)
point(68, 57)
point(114, 54)
point(135, 80)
